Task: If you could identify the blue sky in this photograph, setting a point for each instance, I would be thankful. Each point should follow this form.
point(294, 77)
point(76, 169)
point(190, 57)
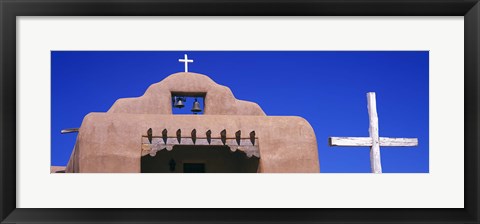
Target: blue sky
point(328, 88)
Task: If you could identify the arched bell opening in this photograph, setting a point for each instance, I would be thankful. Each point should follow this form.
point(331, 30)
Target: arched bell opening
point(199, 159)
point(188, 103)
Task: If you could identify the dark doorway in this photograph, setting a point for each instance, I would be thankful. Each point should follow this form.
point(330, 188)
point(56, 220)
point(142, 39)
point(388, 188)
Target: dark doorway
point(198, 159)
point(194, 167)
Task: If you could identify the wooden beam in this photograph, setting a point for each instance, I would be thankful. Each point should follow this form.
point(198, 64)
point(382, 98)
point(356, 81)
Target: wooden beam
point(367, 141)
point(350, 141)
point(252, 137)
point(398, 141)
point(149, 134)
point(223, 135)
point(194, 135)
point(69, 130)
point(199, 141)
point(376, 164)
point(164, 135)
point(238, 135)
point(179, 135)
point(209, 136)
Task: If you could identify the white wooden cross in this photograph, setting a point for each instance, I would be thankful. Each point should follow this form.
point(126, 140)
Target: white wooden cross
point(374, 141)
point(186, 61)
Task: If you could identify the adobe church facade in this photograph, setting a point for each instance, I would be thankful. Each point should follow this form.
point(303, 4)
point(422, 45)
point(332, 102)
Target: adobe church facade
point(142, 135)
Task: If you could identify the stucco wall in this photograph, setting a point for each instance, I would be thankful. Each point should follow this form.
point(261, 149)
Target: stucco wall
point(112, 142)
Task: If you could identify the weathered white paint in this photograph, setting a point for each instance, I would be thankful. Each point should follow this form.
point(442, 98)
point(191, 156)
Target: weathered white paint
point(398, 141)
point(350, 141)
point(376, 165)
point(186, 61)
point(374, 141)
point(367, 141)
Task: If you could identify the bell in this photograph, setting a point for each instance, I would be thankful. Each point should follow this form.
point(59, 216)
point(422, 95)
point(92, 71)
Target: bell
point(196, 107)
point(179, 103)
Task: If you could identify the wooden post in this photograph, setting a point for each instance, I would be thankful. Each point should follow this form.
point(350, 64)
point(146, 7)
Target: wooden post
point(375, 164)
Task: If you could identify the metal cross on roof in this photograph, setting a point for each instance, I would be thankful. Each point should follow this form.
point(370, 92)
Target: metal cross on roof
point(186, 61)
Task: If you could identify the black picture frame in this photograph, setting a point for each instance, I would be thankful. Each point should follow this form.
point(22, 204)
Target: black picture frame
point(10, 9)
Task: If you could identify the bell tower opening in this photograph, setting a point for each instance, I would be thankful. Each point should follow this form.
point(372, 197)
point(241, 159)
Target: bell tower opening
point(199, 159)
point(188, 103)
